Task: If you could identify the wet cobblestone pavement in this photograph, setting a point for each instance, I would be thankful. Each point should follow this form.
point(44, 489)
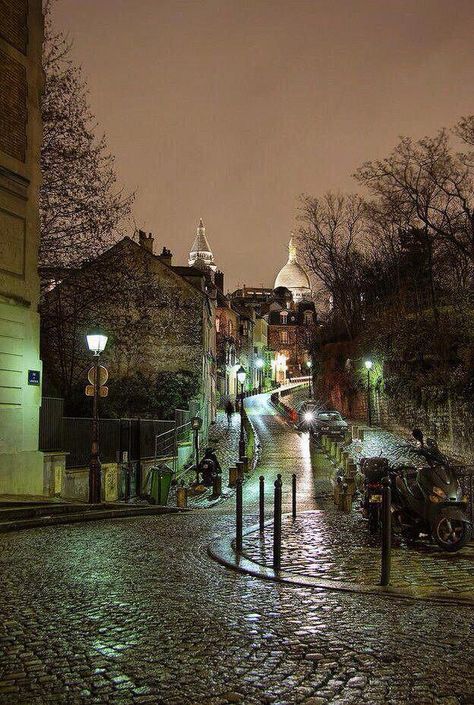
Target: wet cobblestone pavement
point(133, 611)
point(331, 545)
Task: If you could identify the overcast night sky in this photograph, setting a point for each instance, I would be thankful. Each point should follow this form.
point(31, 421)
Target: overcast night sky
point(229, 109)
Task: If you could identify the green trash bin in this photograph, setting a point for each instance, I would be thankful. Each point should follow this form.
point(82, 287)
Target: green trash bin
point(160, 483)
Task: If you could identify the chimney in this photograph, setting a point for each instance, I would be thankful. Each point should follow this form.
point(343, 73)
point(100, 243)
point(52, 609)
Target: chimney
point(145, 240)
point(166, 256)
point(219, 280)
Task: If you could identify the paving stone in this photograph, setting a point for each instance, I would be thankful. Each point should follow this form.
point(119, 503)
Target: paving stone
point(139, 600)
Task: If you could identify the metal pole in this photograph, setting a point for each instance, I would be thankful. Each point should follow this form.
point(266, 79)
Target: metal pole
point(241, 438)
point(386, 531)
point(95, 467)
point(238, 516)
point(293, 495)
point(277, 525)
point(261, 503)
point(196, 452)
point(369, 410)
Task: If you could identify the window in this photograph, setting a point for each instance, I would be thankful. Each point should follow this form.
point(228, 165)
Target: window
point(231, 328)
point(308, 318)
point(218, 324)
point(284, 317)
point(284, 336)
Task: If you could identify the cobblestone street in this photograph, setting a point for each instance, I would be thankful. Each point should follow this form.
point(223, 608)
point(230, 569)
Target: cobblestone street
point(133, 611)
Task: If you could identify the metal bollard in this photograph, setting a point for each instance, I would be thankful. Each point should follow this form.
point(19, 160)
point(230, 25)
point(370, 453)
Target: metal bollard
point(240, 470)
point(232, 476)
point(277, 525)
point(216, 487)
point(261, 504)
point(238, 516)
point(182, 496)
point(293, 496)
point(246, 463)
point(386, 531)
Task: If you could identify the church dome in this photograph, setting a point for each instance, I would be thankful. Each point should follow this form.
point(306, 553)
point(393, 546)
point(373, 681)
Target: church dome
point(293, 277)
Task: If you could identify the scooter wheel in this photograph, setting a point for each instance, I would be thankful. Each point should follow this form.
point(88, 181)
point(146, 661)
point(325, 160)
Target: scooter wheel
point(451, 534)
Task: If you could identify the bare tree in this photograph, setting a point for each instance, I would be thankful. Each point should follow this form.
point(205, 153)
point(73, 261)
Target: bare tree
point(82, 209)
point(426, 185)
point(330, 237)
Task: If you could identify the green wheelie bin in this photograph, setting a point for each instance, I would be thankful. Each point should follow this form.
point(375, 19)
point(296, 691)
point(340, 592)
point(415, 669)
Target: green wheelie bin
point(161, 477)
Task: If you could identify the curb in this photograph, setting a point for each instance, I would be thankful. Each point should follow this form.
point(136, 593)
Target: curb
point(223, 551)
point(90, 515)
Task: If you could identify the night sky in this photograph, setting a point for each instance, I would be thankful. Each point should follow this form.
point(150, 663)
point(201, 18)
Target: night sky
point(229, 109)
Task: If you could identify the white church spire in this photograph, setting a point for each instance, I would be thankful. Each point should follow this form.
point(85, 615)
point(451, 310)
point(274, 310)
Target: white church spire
point(201, 253)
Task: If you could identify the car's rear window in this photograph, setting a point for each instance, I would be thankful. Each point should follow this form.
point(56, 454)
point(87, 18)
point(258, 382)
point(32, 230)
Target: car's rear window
point(329, 417)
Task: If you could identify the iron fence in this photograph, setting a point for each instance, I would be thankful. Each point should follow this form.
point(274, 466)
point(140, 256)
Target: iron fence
point(121, 440)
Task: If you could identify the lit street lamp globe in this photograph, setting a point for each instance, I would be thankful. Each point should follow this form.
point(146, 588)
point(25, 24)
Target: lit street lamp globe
point(259, 363)
point(241, 374)
point(96, 341)
point(368, 364)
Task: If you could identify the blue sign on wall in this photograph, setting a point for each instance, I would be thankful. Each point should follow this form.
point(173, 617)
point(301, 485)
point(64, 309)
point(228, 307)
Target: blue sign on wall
point(34, 377)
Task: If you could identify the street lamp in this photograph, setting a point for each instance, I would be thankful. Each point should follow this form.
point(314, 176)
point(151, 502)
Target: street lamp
point(96, 342)
point(196, 423)
point(368, 366)
point(241, 375)
point(259, 362)
point(309, 364)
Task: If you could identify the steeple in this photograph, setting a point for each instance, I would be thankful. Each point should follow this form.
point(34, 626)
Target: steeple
point(292, 250)
point(201, 253)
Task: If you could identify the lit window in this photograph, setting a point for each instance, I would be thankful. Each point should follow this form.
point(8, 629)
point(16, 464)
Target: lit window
point(284, 316)
point(284, 336)
point(218, 324)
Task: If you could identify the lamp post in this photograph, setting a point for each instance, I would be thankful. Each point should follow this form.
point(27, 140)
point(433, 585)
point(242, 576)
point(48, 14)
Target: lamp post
point(96, 342)
point(368, 366)
point(260, 363)
point(309, 365)
point(241, 375)
point(196, 423)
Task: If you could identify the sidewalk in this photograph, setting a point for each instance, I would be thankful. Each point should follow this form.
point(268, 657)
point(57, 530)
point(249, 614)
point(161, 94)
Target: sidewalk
point(224, 438)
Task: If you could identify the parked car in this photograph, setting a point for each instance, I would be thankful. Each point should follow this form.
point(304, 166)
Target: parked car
point(320, 422)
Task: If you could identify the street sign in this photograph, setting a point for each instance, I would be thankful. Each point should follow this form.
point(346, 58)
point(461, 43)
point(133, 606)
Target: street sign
point(103, 375)
point(34, 377)
point(103, 391)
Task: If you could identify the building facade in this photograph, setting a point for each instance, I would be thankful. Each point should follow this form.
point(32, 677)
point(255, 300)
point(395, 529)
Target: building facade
point(21, 82)
point(159, 319)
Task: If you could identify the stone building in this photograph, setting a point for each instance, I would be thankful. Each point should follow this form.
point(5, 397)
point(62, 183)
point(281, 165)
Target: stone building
point(289, 316)
point(159, 318)
point(21, 81)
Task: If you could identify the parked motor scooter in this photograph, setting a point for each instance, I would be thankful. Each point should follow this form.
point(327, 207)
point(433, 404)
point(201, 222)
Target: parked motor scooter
point(429, 500)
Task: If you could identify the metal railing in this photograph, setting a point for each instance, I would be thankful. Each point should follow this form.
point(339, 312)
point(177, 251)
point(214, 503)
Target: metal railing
point(167, 444)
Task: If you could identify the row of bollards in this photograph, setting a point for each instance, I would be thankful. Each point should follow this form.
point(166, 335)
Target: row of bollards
point(344, 488)
point(277, 514)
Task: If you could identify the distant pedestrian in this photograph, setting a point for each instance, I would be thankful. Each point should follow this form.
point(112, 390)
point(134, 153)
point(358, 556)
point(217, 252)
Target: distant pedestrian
point(229, 410)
